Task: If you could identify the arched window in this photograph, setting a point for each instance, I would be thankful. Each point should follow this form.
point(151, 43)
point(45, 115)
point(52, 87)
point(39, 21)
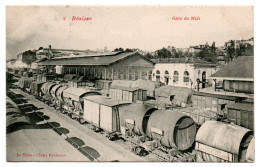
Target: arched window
point(158, 75)
point(166, 72)
point(175, 76)
point(186, 77)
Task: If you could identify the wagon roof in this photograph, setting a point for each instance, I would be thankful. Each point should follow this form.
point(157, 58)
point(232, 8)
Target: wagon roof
point(125, 88)
point(38, 82)
point(222, 136)
point(241, 106)
point(105, 101)
point(75, 91)
point(219, 96)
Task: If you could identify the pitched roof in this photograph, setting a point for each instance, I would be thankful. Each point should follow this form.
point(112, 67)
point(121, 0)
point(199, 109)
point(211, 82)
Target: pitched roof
point(90, 60)
point(195, 61)
point(241, 68)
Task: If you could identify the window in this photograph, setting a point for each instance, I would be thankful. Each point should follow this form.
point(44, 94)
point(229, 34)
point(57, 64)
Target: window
point(144, 75)
point(175, 76)
point(186, 77)
point(150, 75)
point(136, 75)
point(157, 75)
point(130, 75)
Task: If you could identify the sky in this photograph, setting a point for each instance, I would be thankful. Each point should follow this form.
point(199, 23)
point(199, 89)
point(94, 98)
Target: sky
point(145, 27)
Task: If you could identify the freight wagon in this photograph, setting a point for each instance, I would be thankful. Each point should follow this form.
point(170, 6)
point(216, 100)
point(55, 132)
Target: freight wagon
point(153, 130)
point(53, 97)
point(103, 114)
point(36, 89)
point(25, 83)
point(222, 142)
point(73, 101)
point(250, 154)
point(241, 114)
point(129, 94)
point(214, 102)
point(59, 102)
point(199, 115)
point(46, 90)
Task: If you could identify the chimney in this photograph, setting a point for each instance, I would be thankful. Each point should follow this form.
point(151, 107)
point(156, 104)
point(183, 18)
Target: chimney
point(49, 52)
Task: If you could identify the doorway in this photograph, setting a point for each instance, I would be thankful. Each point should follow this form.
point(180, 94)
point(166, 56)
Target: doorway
point(204, 79)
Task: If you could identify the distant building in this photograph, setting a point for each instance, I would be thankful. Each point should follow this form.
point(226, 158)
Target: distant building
point(50, 52)
point(183, 72)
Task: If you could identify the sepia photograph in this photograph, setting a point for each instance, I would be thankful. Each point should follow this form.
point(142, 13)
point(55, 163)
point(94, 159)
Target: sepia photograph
point(140, 83)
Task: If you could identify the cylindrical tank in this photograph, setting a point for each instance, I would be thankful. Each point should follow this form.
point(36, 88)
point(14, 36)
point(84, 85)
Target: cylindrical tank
point(137, 115)
point(54, 90)
point(59, 93)
point(46, 87)
point(173, 129)
point(229, 138)
point(250, 154)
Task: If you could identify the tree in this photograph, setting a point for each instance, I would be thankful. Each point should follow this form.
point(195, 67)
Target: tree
point(29, 57)
point(128, 50)
point(119, 50)
point(164, 53)
point(149, 56)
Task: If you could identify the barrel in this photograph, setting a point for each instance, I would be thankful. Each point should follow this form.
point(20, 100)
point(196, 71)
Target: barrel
point(225, 138)
point(250, 154)
point(137, 115)
point(45, 86)
point(54, 90)
point(172, 129)
point(59, 93)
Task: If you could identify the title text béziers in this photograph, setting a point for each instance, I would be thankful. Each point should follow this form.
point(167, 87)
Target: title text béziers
point(81, 18)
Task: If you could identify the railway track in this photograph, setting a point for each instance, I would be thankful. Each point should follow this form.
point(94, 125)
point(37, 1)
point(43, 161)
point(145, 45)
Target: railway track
point(183, 157)
point(73, 143)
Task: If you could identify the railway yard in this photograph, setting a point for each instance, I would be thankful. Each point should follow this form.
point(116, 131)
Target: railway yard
point(99, 147)
point(123, 125)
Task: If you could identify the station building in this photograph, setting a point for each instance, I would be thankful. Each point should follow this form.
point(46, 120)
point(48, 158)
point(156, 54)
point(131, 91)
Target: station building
point(183, 72)
point(107, 66)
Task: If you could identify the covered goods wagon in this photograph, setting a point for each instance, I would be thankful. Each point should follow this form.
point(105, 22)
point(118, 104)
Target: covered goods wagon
point(176, 95)
point(213, 102)
point(130, 94)
point(103, 113)
point(241, 114)
point(36, 88)
point(222, 142)
point(73, 101)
